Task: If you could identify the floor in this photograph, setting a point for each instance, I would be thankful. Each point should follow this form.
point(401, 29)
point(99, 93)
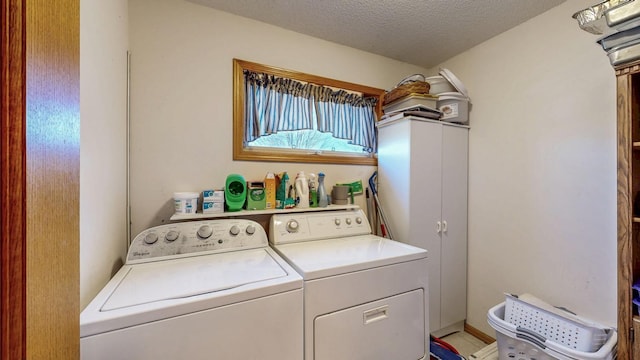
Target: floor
point(471, 347)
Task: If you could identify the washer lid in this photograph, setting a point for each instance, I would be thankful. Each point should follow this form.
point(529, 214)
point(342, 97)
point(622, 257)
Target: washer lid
point(185, 277)
point(322, 258)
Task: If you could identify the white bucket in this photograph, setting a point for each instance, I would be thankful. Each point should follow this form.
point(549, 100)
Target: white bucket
point(438, 85)
point(185, 202)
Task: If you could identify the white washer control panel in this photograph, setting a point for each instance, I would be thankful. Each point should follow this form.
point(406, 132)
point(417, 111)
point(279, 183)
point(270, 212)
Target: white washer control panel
point(297, 227)
point(196, 238)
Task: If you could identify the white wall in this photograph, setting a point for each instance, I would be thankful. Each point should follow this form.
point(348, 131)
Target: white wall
point(542, 173)
point(182, 95)
point(103, 233)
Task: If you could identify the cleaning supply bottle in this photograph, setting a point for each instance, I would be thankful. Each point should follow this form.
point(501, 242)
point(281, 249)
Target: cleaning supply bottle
point(323, 201)
point(313, 192)
point(281, 192)
point(302, 191)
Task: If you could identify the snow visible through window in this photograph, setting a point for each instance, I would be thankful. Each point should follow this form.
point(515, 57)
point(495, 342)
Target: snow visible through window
point(307, 140)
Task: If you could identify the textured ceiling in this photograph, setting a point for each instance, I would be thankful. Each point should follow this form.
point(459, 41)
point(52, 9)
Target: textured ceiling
point(419, 32)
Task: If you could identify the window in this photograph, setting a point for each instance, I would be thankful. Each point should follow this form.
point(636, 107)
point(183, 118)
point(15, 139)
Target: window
point(282, 115)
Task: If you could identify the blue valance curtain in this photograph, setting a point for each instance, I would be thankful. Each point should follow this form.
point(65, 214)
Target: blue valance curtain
point(274, 104)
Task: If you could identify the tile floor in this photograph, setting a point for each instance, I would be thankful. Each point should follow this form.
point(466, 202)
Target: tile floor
point(468, 345)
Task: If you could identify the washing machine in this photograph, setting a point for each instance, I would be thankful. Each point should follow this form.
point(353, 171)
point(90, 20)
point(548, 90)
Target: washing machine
point(365, 297)
point(207, 289)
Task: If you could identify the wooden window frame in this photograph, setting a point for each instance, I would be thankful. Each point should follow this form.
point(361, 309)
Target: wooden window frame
point(255, 154)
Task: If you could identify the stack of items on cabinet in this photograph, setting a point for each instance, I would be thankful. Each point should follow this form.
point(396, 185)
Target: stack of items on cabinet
point(617, 22)
point(441, 97)
point(529, 328)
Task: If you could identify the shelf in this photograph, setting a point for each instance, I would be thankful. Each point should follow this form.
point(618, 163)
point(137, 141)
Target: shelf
point(201, 216)
point(636, 219)
point(636, 144)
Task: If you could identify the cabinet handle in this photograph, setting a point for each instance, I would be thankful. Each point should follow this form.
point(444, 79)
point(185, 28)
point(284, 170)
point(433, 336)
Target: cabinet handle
point(444, 226)
point(438, 227)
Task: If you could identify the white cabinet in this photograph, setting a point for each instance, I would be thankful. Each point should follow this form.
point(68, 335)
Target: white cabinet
point(422, 186)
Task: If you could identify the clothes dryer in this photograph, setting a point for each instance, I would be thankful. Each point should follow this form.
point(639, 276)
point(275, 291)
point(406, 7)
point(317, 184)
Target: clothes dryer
point(365, 297)
point(209, 289)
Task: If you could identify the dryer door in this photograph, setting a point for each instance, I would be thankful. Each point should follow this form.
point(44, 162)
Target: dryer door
point(391, 328)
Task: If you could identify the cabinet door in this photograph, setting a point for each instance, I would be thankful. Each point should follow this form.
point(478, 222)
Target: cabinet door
point(426, 206)
point(409, 179)
point(394, 160)
point(453, 252)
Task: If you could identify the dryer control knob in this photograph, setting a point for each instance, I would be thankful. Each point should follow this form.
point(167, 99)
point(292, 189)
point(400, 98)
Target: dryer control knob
point(235, 230)
point(337, 222)
point(292, 226)
point(172, 236)
point(348, 221)
point(358, 220)
point(205, 231)
point(151, 238)
point(251, 229)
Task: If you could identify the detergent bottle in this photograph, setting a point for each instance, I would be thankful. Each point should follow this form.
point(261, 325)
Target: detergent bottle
point(302, 191)
point(281, 192)
point(313, 192)
point(323, 201)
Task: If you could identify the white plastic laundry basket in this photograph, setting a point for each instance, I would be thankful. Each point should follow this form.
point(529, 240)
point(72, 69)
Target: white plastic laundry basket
point(518, 343)
point(560, 326)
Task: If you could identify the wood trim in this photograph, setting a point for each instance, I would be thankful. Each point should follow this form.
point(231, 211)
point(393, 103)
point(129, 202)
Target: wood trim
point(478, 334)
point(53, 179)
point(39, 312)
point(13, 183)
point(635, 350)
point(625, 222)
point(628, 68)
point(242, 153)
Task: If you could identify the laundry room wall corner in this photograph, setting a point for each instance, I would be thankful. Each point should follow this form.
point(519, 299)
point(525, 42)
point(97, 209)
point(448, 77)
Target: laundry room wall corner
point(103, 222)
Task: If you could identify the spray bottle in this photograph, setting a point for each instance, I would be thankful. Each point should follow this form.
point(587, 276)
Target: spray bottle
point(323, 201)
point(313, 192)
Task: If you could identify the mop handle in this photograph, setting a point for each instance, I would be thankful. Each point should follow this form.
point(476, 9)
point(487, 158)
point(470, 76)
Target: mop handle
point(372, 185)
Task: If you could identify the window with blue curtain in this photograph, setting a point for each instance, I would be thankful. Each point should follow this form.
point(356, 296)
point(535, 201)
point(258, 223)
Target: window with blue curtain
point(288, 116)
point(285, 113)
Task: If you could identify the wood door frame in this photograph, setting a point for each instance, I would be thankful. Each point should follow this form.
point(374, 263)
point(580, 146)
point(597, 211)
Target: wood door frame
point(13, 183)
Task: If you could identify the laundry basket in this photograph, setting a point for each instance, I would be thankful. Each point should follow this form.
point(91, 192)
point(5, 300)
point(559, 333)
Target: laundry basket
point(518, 342)
point(557, 325)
